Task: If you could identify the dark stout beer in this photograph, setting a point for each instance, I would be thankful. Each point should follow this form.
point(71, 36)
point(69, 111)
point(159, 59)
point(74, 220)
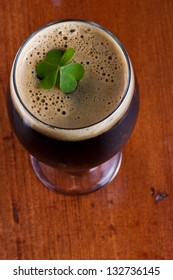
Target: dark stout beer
point(89, 126)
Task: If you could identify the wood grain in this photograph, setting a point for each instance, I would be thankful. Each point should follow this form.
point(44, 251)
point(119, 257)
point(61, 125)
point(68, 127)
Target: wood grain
point(123, 220)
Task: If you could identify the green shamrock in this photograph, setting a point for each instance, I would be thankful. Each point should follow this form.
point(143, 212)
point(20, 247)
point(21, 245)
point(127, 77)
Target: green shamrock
point(55, 68)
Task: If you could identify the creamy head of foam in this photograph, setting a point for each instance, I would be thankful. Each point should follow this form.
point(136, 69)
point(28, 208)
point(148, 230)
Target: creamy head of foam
point(101, 97)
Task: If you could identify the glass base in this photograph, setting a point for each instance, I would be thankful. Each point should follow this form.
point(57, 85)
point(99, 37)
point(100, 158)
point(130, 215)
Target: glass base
point(77, 182)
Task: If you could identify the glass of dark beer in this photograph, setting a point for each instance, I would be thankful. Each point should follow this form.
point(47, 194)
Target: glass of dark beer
point(74, 140)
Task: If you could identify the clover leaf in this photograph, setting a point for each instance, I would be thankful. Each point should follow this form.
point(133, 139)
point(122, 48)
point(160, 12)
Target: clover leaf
point(47, 74)
point(55, 68)
point(68, 54)
point(69, 75)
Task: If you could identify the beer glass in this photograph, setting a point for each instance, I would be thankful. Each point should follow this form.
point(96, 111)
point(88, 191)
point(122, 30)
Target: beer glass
point(82, 158)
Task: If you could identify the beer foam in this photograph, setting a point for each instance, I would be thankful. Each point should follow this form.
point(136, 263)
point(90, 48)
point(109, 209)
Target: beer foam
point(101, 97)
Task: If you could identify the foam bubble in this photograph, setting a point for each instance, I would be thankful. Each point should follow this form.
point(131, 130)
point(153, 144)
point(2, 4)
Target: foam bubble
point(98, 94)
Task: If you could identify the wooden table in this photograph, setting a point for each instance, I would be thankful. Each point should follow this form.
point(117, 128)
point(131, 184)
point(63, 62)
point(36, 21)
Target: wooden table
point(132, 217)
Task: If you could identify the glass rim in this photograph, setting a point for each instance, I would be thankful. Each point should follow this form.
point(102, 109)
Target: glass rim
point(55, 23)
